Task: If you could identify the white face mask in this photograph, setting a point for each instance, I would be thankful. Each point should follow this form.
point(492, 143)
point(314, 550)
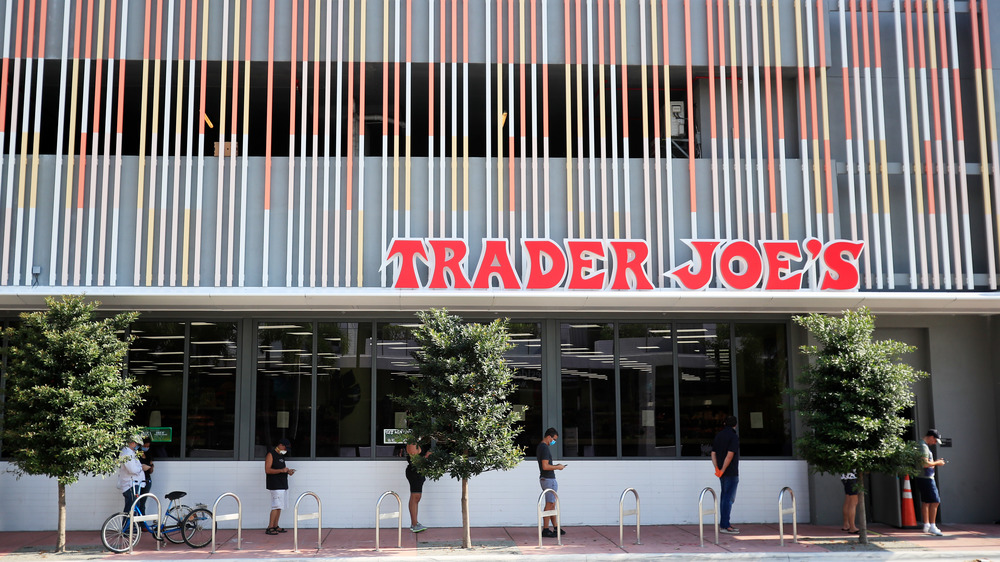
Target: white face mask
point(282, 452)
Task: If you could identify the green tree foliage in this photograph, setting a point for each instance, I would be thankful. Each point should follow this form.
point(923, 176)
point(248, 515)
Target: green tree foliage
point(68, 408)
point(460, 400)
point(851, 397)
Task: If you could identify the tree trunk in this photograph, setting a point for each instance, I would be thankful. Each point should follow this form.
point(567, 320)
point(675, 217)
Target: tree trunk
point(466, 533)
point(61, 529)
point(863, 523)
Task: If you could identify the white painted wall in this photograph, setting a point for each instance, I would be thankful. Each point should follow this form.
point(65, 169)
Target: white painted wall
point(589, 493)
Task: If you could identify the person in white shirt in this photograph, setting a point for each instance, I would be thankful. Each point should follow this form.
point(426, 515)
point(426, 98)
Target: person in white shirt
point(131, 473)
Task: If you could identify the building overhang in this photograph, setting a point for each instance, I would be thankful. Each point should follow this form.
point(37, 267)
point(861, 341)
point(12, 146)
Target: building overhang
point(299, 299)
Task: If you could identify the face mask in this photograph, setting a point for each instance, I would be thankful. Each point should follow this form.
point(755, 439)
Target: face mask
point(282, 452)
point(552, 443)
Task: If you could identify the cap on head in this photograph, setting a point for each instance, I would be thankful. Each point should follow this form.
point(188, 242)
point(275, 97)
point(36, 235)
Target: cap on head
point(284, 441)
point(934, 433)
point(137, 438)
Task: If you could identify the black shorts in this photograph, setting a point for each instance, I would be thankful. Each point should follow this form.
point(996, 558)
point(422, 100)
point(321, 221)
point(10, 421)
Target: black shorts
point(928, 490)
point(415, 479)
point(850, 486)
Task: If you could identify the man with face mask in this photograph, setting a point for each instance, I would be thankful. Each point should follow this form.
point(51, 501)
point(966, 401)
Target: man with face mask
point(276, 476)
point(547, 478)
point(130, 473)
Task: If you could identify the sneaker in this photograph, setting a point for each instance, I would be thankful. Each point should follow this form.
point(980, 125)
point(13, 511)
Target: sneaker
point(562, 531)
point(729, 530)
point(935, 531)
point(418, 528)
point(548, 533)
point(927, 527)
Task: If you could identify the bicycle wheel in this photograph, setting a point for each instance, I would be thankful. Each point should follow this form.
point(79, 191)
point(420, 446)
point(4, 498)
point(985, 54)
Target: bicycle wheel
point(197, 528)
point(115, 533)
point(172, 523)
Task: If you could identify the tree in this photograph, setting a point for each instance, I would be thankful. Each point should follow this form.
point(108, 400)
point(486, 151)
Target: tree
point(851, 398)
point(460, 401)
point(68, 406)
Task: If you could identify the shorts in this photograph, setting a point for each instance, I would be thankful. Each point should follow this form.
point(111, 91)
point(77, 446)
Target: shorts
point(279, 499)
point(850, 486)
point(928, 490)
point(549, 483)
point(415, 479)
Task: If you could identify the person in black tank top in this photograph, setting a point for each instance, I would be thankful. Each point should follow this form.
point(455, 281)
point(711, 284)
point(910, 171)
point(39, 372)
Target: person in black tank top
point(276, 478)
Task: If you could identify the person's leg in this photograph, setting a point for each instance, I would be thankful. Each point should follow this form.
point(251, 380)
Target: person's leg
point(727, 496)
point(414, 500)
point(850, 512)
point(129, 496)
point(932, 513)
point(273, 521)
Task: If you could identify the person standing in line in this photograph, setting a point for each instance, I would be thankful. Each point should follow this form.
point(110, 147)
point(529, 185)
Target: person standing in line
point(276, 476)
point(547, 479)
point(929, 497)
point(726, 462)
point(850, 481)
point(130, 473)
point(146, 458)
point(416, 481)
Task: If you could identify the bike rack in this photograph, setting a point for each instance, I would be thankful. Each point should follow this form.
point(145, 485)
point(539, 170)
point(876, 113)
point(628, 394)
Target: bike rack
point(781, 516)
point(318, 516)
point(392, 515)
point(133, 518)
point(622, 514)
point(543, 514)
point(702, 513)
point(238, 516)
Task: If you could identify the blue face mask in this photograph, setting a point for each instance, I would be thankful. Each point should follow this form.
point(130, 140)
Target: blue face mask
point(552, 443)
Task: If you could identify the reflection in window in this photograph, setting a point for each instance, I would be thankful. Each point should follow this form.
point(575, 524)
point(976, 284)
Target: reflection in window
point(646, 367)
point(343, 389)
point(156, 359)
point(762, 377)
point(211, 409)
point(395, 371)
point(706, 384)
point(284, 386)
point(587, 361)
point(526, 360)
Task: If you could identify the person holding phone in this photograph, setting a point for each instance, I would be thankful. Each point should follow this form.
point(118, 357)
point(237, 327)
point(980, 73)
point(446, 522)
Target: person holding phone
point(547, 479)
point(929, 497)
point(276, 476)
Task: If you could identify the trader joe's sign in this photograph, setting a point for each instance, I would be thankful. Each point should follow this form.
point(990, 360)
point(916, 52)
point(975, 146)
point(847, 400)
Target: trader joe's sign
point(622, 265)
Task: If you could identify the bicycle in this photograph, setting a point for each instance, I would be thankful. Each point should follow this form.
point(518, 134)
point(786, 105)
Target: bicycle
point(179, 524)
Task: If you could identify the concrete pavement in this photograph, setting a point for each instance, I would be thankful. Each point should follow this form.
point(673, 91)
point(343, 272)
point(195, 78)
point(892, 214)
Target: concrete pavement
point(659, 542)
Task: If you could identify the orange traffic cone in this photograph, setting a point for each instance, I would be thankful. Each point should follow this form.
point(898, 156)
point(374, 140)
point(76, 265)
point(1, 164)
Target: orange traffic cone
point(909, 516)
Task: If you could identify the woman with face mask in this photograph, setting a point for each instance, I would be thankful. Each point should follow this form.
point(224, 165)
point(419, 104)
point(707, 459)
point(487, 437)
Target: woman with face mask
point(276, 476)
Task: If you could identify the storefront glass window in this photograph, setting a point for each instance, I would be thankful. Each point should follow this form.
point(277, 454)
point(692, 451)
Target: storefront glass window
point(343, 389)
point(526, 360)
point(211, 407)
point(156, 359)
point(587, 363)
point(284, 386)
point(646, 367)
point(396, 369)
point(705, 382)
point(761, 378)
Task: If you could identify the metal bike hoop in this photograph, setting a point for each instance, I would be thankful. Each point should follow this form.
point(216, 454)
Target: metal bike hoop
point(155, 518)
point(551, 513)
point(318, 515)
point(238, 516)
point(702, 513)
point(622, 514)
point(781, 516)
point(379, 516)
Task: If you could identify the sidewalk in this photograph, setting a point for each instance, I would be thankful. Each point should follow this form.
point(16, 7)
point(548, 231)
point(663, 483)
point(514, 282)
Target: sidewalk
point(755, 542)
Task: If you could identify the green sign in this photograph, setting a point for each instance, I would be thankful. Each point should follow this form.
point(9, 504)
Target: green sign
point(160, 434)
